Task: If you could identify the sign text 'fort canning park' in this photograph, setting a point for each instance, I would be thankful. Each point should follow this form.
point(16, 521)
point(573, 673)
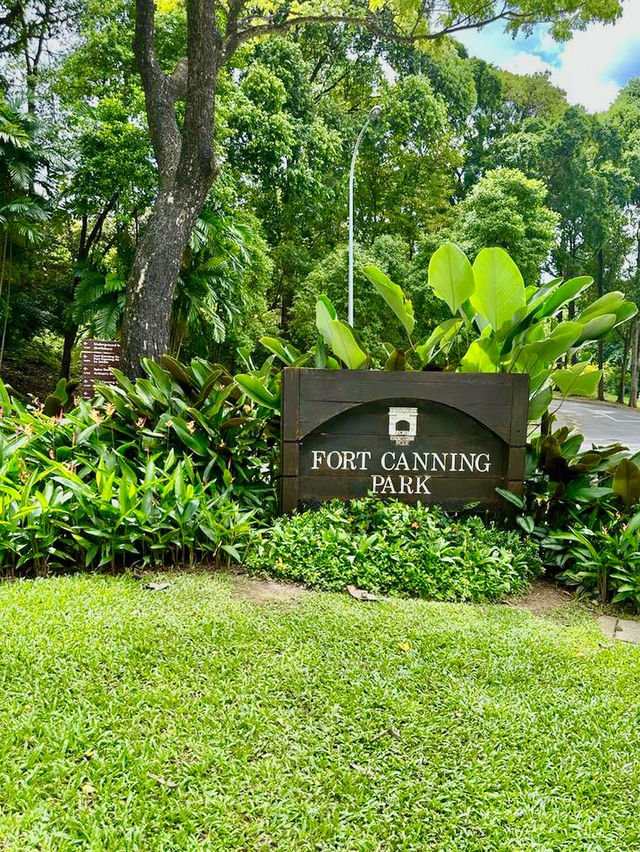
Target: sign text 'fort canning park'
point(447, 438)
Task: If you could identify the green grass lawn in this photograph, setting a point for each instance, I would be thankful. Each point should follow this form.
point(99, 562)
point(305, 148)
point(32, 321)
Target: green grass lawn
point(195, 719)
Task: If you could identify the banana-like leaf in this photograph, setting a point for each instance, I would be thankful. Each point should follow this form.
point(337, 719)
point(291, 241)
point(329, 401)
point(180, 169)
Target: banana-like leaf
point(607, 304)
point(539, 294)
point(539, 402)
point(287, 353)
point(338, 336)
point(499, 290)
point(451, 276)
point(626, 482)
point(534, 357)
point(559, 296)
point(393, 296)
point(481, 357)
point(596, 328)
point(439, 337)
point(626, 311)
point(578, 380)
point(325, 312)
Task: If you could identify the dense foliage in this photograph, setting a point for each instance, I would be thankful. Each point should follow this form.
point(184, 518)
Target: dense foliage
point(168, 470)
point(394, 547)
point(497, 325)
point(289, 109)
point(582, 508)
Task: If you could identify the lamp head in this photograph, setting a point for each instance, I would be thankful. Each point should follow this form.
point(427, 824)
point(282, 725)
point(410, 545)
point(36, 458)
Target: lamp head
point(375, 112)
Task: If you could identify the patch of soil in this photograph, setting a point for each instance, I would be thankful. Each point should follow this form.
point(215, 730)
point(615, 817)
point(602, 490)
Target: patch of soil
point(266, 591)
point(26, 376)
point(542, 598)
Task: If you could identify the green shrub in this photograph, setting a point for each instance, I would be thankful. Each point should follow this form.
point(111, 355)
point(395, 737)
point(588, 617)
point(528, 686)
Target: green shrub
point(147, 476)
point(393, 547)
point(603, 562)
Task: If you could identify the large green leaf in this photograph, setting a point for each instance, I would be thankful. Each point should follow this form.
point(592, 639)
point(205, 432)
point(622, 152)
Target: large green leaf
point(393, 296)
point(560, 294)
point(338, 336)
point(536, 356)
point(607, 304)
point(481, 357)
point(287, 353)
point(626, 482)
point(323, 317)
point(451, 275)
point(578, 380)
point(626, 311)
point(596, 328)
point(499, 290)
point(439, 337)
point(256, 390)
point(539, 402)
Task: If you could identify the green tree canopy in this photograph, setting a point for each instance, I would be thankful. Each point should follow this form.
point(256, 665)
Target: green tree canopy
point(507, 209)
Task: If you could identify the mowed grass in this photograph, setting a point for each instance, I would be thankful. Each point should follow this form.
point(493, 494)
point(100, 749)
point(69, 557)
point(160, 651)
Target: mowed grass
point(194, 719)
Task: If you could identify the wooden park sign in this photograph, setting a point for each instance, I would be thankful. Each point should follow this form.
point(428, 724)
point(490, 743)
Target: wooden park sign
point(448, 438)
point(98, 359)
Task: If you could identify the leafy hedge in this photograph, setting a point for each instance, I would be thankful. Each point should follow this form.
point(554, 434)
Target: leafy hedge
point(393, 547)
point(169, 469)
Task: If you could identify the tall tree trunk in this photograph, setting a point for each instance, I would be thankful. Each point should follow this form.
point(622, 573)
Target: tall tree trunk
point(68, 343)
point(186, 171)
point(634, 367)
point(623, 367)
point(147, 320)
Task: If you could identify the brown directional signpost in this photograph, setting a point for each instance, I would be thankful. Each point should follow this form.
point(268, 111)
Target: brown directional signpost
point(448, 438)
point(98, 359)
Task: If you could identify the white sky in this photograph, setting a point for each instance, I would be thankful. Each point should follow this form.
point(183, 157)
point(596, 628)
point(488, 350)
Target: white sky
point(591, 68)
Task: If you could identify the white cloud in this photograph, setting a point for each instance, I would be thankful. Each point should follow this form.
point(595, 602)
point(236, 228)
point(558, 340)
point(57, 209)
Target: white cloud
point(525, 63)
point(591, 68)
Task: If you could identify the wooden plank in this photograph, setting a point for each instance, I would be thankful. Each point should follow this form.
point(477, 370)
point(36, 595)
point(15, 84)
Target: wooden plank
point(289, 494)
point(290, 458)
point(517, 457)
point(520, 410)
point(290, 404)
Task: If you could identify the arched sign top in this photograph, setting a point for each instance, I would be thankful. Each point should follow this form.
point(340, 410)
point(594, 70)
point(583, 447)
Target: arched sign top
point(434, 437)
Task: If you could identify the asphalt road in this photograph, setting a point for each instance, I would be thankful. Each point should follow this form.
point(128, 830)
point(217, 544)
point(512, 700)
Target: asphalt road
point(601, 422)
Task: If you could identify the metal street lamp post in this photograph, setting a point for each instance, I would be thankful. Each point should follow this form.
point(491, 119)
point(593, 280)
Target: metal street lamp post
point(375, 112)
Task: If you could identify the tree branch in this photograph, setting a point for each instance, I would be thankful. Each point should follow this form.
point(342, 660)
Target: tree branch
point(100, 220)
point(204, 55)
point(161, 93)
point(372, 25)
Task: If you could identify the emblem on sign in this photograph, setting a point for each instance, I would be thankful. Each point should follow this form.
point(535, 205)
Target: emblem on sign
point(403, 425)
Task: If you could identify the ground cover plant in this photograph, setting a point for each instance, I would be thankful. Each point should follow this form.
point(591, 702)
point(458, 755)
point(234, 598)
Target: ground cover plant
point(192, 719)
point(393, 547)
point(582, 508)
